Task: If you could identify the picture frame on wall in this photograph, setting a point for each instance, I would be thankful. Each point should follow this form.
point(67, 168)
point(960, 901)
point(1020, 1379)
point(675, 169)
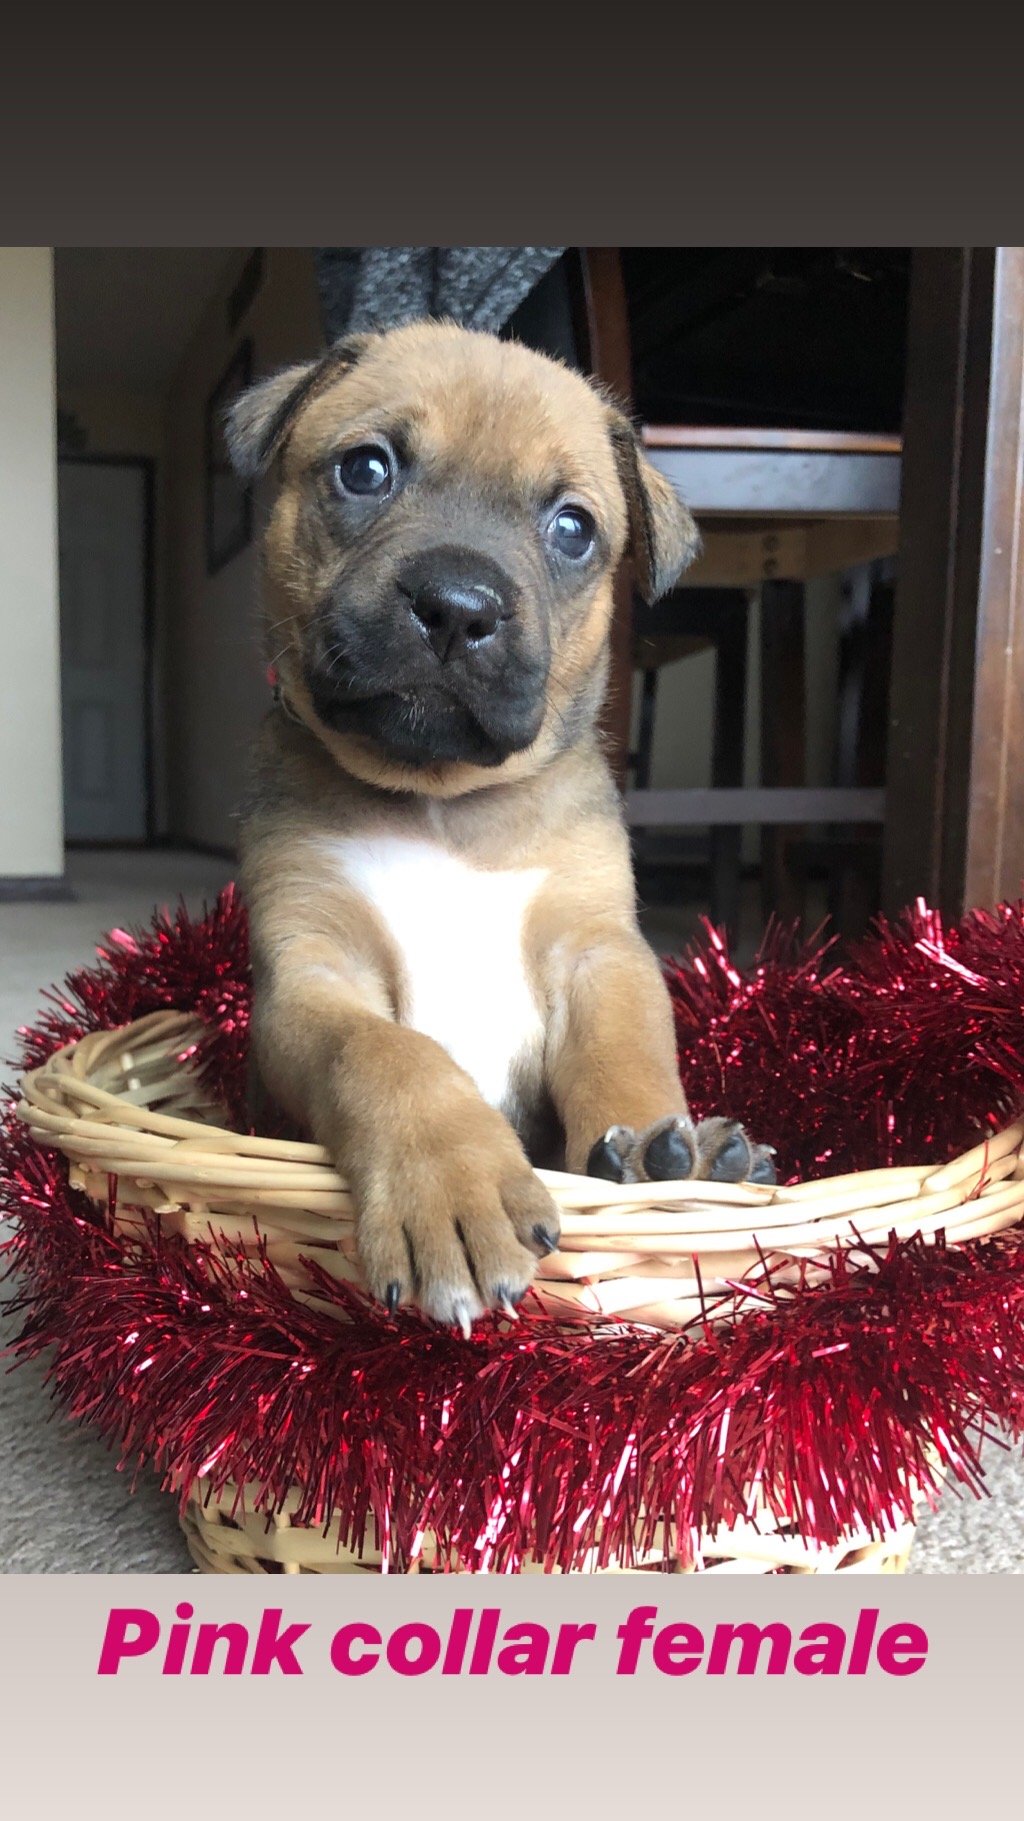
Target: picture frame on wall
point(229, 517)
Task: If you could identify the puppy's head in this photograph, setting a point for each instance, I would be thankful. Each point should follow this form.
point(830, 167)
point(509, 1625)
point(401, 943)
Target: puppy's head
point(449, 513)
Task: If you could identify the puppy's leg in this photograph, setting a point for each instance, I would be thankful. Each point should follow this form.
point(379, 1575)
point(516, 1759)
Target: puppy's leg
point(612, 1072)
point(450, 1214)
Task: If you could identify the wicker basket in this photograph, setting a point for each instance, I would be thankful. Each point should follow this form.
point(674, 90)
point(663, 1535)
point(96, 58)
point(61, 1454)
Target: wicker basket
point(224, 1537)
point(125, 1105)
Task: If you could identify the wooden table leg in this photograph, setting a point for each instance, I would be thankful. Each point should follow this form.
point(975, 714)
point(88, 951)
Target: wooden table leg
point(783, 736)
point(865, 656)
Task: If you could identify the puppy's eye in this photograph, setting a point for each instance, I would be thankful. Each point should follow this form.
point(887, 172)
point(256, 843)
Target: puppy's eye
point(571, 532)
point(367, 469)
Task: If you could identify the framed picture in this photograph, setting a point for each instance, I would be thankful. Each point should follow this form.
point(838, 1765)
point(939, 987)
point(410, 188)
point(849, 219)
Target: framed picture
point(228, 500)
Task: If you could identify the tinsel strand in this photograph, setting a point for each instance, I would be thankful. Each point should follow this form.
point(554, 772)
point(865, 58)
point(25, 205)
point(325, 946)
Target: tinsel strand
point(828, 1403)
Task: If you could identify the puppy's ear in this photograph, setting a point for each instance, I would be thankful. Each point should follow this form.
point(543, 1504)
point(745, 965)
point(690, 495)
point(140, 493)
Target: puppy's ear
point(663, 539)
point(259, 420)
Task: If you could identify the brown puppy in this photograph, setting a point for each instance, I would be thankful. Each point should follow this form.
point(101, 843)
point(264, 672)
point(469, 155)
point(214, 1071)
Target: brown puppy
point(444, 934)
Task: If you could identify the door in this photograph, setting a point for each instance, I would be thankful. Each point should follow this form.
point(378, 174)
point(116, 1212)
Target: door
point(102, 508)
point(954, 823)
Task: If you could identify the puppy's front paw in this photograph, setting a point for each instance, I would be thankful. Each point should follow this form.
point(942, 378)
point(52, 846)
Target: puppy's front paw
point(457, 1230)
point(674, 1149)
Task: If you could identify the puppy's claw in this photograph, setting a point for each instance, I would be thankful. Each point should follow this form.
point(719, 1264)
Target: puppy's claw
point(393, 1296)
point(606, 1161)
point(544, 1239)
point(506, 1304)
point(463, 1320)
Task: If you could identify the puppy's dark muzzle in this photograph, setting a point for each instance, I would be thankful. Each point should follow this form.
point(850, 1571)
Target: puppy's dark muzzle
point(458, 601)
point(449, 671)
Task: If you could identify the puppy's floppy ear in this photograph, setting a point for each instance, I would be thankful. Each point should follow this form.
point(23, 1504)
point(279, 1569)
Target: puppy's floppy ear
point(663, 539)
point(259, 420)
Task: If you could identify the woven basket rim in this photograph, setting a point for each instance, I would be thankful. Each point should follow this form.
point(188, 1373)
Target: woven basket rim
point(226, 1534)
point(89, 1100)
point(140, 1132)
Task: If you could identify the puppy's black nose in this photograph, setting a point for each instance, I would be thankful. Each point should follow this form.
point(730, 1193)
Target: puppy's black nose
point(455, 616)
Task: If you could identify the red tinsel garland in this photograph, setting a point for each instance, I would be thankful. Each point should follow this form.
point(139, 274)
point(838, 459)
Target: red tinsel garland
point(546, 1442)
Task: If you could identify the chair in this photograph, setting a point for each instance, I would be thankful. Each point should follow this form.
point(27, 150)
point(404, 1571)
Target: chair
point(776, 509)
point(672, 630)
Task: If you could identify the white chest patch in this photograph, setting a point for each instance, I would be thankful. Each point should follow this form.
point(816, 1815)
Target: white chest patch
point(459, 933)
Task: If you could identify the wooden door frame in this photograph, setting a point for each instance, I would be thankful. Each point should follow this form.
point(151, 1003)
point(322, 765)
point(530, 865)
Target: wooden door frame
point(955, 801)
point(601, 325)
point(146, 465)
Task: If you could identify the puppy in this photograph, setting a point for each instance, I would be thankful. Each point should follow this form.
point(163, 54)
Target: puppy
point(445, 948)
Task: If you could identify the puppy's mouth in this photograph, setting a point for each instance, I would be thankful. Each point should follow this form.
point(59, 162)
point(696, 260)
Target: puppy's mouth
point(423, 727)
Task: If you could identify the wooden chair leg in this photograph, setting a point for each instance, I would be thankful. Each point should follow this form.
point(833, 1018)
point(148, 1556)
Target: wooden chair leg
point(783, 737)
point(865, 652)
point(731, 627)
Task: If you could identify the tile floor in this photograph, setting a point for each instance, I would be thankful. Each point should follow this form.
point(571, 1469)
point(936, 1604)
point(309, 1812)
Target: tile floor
point(63, 1506)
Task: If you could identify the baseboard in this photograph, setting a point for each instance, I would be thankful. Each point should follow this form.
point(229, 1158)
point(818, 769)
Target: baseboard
point(44, 889)
point(160, 844)
point(183, 844)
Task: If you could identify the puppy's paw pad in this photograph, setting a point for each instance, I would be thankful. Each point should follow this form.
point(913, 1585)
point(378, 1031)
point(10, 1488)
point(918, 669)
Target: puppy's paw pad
point(669, 1151)
point(728, 1155)
point(663, 1152)
point(764, 1171)
point(732, 1161)
point(674, 1150)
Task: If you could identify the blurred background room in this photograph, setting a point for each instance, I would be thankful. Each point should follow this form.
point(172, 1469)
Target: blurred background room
point(825, 719)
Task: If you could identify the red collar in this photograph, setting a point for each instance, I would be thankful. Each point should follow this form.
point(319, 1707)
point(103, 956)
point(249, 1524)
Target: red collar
point(280, 699)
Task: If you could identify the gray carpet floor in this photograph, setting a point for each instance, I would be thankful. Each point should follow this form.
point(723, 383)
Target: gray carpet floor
point(64, 1508)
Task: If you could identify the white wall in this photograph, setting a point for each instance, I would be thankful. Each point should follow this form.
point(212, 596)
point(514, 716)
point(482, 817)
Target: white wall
point(209, 646)
point(31, 815)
